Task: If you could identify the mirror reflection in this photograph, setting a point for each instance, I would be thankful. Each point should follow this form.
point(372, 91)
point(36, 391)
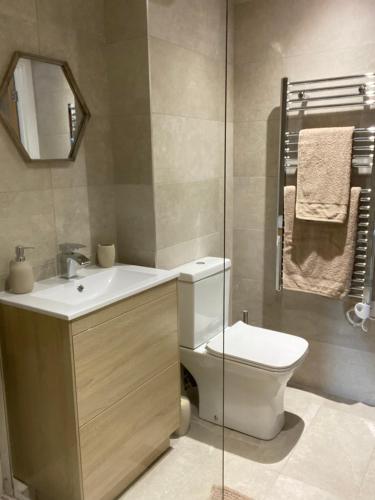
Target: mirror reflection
point(41, 109)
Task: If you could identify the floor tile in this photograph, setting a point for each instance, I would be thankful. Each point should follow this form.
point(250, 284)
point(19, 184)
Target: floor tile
point(334, 453)
point(326, 451)
point(286, 488)
point(367, 491)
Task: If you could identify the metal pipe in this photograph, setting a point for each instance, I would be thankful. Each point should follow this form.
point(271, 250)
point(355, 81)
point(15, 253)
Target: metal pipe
point(306, 98)
point(333, 79)
point(341, 104)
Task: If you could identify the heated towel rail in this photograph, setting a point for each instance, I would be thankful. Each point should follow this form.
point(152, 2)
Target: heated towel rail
point(300, 99)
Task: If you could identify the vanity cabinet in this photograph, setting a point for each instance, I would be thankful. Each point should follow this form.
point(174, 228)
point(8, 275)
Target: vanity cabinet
point(91, 402)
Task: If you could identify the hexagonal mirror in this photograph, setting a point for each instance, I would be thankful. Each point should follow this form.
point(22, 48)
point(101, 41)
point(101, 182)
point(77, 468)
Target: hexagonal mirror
point(42, 108)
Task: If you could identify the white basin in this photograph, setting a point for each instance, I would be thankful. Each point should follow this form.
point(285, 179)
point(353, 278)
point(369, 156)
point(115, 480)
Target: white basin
point(93, 289)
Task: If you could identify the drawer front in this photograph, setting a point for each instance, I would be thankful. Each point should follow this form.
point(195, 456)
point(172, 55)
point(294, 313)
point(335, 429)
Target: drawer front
point(110, 312)
point(118, 444)
point(119, 355)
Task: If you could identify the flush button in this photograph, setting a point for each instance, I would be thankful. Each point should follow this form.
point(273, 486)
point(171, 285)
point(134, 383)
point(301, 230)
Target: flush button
point(200, 262)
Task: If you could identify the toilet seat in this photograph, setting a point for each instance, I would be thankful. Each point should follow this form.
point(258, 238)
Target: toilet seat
point(259, 347)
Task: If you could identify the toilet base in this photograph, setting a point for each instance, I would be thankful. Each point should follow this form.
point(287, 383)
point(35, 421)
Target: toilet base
point(254, 398)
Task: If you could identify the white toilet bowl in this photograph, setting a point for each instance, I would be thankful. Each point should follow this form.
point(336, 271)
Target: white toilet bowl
point(257, 366)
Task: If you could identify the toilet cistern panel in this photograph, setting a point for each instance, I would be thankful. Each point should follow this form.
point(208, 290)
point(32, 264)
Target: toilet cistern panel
point(203, 297)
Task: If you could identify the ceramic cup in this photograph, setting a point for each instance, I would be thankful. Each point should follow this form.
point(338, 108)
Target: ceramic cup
point(106, 255)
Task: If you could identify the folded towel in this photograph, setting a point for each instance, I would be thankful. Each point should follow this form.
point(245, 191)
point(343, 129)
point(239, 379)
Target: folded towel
point(318, 256)
point(323, 174)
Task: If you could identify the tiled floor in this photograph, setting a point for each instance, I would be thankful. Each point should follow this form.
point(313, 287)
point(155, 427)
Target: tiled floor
point(325, 452)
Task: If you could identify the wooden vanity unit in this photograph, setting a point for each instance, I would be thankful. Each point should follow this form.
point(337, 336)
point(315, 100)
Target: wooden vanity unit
point(93, 401)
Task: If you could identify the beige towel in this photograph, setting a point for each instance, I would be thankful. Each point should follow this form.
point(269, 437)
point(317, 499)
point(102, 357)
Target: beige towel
point(318, 256)
point(323, 174)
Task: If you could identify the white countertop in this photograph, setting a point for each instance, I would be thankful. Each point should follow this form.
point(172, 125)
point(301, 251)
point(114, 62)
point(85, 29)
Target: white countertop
point(67, 300)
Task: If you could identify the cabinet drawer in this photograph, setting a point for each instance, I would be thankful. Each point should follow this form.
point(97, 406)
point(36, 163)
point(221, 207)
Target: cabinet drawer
point(118, 444)
point(118, 308)
point(119, 355)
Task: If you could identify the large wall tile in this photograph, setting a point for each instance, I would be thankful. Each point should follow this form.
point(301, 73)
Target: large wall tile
point(92, 74)
point(128, 73)
point(260, 30)
point(257, 89)
point(300, 40)
point(102, 207)
point(131, 139)
point(186, 149)
point(27, 218)
point(348, 61)
point(135, 223)
point(16, 34)
point(125, 19)
point(255, 201)
point(185, 83)
point(186, 211)
point(72, 216)
point(196, 25)
point(16, 175)
point(22, 9)
point(256, 148)
point(98, 151)
point(173, 256)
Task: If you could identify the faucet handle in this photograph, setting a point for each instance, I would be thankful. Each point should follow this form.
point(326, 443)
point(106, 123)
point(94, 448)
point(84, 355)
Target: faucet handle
point(70, 247)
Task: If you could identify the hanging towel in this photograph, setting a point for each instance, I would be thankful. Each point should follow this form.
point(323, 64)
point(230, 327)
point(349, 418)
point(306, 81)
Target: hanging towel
point(318, 256)
point(323, 173)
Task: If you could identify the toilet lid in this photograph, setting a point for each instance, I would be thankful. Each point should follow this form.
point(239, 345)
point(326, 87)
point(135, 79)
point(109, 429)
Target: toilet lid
point(273, 351)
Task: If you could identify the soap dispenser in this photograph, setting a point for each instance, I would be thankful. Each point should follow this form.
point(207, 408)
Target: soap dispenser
point(21, 277)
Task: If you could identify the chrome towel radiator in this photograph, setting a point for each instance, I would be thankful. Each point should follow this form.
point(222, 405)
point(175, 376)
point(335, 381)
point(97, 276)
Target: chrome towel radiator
point(329, 101)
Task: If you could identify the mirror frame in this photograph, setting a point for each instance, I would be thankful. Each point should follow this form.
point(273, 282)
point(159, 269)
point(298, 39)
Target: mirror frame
point(86, 115)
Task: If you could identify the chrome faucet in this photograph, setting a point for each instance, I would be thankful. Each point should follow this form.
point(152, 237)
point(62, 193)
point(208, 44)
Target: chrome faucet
point(71, 260)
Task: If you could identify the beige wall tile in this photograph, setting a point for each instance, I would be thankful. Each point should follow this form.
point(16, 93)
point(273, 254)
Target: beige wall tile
point(98, 151)
point(186, 149)
point(21, 9)
point(16, 175)
point(131, 139)
point(129, 79)
point(247, 295)
point(170, 257)
point(92, 73)
point(349, 61)
point(256, 148)
point(257, 89)
point(102, 216)
point(193, 24)
point(72, 216)
point(69, 174)
point(16, 33)
point(185, 83)
point(125, 19)
point(260, 30)
point(88, 17)
point(186, 211)
point(27, 218)
point(135, 224)
point(254, 202)
point(344, 372)
point(302, 40)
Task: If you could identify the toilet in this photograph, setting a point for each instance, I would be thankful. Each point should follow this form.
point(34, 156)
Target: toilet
point(257, 362)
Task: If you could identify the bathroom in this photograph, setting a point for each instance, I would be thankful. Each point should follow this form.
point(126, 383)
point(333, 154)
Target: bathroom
point(172, 171)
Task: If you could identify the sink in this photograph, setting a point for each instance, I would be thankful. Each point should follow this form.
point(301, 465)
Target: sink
point(93, 289)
